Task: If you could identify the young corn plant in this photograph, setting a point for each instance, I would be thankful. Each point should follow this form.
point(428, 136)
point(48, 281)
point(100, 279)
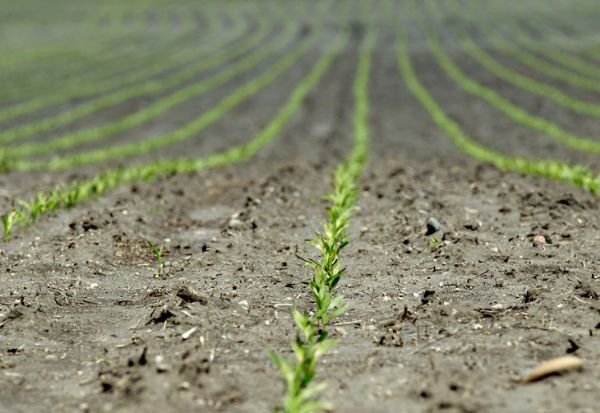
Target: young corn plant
point(157, 252)
point(10, 219)
point(301, 393)
point(312, 341)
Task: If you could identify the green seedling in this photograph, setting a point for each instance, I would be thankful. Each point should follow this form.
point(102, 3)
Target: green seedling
point(312, 341)
point(153, 210)
point(10, 219)
point(301, 393)
point(157, 252)
point(433, 242)
point(38, 206)
point(6, 163)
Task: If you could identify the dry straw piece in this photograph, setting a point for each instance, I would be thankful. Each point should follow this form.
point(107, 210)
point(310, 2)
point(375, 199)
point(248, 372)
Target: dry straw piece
point(552, 366)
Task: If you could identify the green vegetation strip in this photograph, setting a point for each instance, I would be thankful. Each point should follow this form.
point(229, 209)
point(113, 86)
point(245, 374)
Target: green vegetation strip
point(188, 130)
point(86, 64)
point(478, 16)
point(312, 341)
point(563, 58)
point(155, 109)
point(513, 111)
point(524, 82)
point(21, 52)
point(554, 169)
point(542, 66)
point(584, 43)
point(217, 56)
point(127, 66)
point(66, 197)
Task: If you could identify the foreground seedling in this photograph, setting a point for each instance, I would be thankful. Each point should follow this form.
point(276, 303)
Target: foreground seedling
point(313, 338)
point(157, 252)
point(9, 220)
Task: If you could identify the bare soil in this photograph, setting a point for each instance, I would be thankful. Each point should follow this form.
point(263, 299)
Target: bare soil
point(443, 322)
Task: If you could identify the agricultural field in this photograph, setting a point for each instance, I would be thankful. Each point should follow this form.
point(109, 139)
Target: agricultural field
point(299, 206)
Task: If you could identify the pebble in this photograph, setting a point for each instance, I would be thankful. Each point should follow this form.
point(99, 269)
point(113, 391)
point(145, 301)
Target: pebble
point(433, 225)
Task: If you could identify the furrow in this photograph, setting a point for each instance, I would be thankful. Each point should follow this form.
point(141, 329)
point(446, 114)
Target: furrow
point(171, 100)
point(119, 86)
point(574, 174)
point(66, 197)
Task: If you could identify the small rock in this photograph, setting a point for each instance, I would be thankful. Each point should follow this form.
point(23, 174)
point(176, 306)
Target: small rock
point(433, 225)
point(235, 220)
point(539, 240)
point(161, 365)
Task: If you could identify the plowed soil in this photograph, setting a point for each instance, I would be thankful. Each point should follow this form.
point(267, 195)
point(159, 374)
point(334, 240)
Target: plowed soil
point(90, 322)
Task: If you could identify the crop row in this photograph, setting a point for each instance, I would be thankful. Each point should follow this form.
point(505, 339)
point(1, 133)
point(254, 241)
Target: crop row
point(566, 34)
point(527, 83)
point(524, 82)
point(513, 111)
point(525, 49)
point(485, 31)
point(313, 338)
point(563, 58)
point(545, 39)
point(193, 127)
point(143, 16)
point(213, 58)
point(91, 54)
point(566, 38)
point(169, 101)
point(528, 58)
point(66, 197)
point(138, 66)
point(554, 169)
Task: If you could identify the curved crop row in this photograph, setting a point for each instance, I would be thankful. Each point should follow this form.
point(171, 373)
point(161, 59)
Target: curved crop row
point(125, 49)
point(554, 169)
point(515, 112)
point(173, 99)
point(524, 82)
point(184, 56)
point(66, 197)
point(217, 57)
point(91, 62)
point(24, 54)
point(559, 56)
point(185, 132)
point(584, 43)
point(541, 65)
point(530, 59)
point(313, 338)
